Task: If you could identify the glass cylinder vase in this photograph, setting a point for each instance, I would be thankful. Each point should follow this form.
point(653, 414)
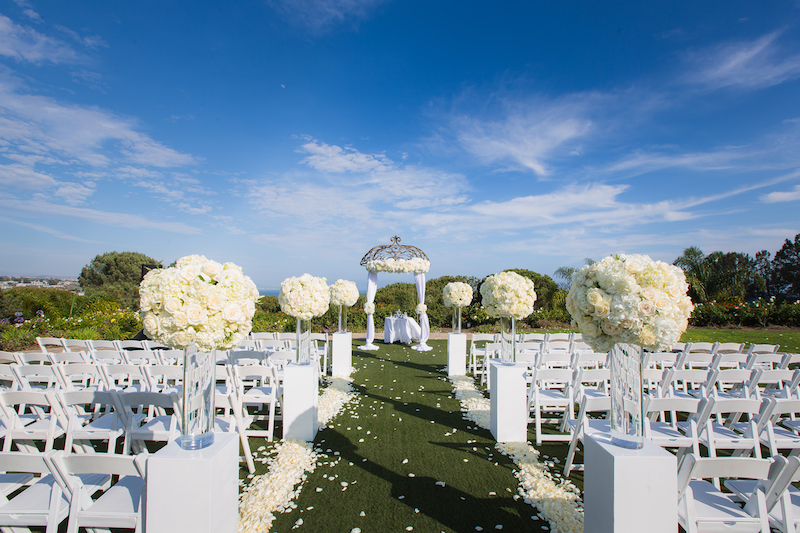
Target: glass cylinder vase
point(508, 340)
point(627, 416)
point(199, 380)
point(456, 320)
point(342, 319)
point(305, 346)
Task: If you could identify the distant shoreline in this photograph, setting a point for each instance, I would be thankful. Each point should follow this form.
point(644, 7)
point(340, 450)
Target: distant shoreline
point(269, 292)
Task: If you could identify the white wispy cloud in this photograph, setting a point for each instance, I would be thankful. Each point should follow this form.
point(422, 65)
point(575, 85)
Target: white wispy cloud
point(23, 43)
point(782, 196)
point(321, 15)
point(527, 134)
point(37, 207)
point(24, 177)
point(45, 229)
point(749, 64)
point(75, 193)
point(41, 125)
point(337, 159)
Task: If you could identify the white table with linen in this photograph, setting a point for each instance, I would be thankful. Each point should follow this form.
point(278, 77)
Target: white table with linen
point(402, 329)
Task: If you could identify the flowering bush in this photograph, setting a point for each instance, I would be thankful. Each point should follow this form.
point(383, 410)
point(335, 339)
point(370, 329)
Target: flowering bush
point(198, 301)
point(508, 294)
point(344, 293)
point(304, 297)
point(399, 266)
point(457, 294)
point(631, 299)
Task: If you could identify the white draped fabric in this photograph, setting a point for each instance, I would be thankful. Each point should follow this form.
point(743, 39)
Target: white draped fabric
point(372, 288)
point(424, 323)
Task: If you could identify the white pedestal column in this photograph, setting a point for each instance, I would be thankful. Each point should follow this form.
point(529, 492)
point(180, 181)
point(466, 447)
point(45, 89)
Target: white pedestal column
point(300, 401)
point(196, 490)
point(342, 360)
point(456, 354)
point(628, 490)
point(509, 401)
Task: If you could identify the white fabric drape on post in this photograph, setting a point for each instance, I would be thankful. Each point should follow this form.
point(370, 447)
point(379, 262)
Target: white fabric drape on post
point(372, 288)
point(424, 323)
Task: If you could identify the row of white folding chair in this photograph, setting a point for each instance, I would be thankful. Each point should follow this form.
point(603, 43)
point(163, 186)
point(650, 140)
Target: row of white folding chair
point(759, 487)
point(66, 486)
point(80, 345)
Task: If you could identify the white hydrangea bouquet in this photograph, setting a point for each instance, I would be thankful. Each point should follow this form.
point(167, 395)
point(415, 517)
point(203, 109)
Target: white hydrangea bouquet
point(305, 297)
point(344, 294)
point(508, 294)
point(630, 299)
point(200, 302)
point(417, 265)
point(457, 294)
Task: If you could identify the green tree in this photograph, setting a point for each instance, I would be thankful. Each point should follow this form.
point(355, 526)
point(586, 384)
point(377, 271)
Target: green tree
point(786, 268)
point(697, 271)
point(565, 273)
point(116, 274)
point(544, 286)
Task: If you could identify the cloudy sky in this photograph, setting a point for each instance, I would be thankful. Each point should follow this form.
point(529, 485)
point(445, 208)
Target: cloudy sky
point(291, 136)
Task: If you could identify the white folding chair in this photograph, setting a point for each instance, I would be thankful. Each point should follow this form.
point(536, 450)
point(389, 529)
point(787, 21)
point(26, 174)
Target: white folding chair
point(781, 432)
point(163, 427)
point(47, 344)
point(110, 357)
point(668, 422)
point(76, 345)
point(741, 437)
point(42, 503)
point(703, 507)
point(119, 506)
point(477, 351)
point(551, 399)
point(165, 378)
point(68, 357)
point(93, 416)
point(231, 418)
point(125, 377)
point(584, 425)
point(37, 377)
point(81, 376)
point(785, 515)
point(45, 423)
point(258, 387)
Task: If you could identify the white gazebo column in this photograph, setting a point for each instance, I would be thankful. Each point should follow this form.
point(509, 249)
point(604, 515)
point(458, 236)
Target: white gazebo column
point(372, 288)
point(424, 323)
point(342, 354)
point(456, 354)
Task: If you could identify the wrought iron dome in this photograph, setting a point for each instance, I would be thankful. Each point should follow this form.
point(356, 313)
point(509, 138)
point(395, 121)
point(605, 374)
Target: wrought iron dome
point(393, 251)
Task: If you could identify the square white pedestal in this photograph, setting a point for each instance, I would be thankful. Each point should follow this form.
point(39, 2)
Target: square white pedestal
point(342, 363)
point(629, 490)
point(509, 401)
point(194, 491)
point(456, 354)
point(300, 401)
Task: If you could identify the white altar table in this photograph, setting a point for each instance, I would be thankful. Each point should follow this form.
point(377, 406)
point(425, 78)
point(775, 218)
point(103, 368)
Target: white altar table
point(403, 329)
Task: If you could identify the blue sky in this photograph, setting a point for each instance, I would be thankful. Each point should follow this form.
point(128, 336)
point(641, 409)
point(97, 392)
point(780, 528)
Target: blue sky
point(291, 136)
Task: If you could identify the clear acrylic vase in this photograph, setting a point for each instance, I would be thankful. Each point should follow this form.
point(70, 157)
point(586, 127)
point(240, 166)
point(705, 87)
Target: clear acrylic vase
point(456, 320)
point(342, 319)
point(199, 381)
point(304, 342)
point(508, 340)
point(627, 417)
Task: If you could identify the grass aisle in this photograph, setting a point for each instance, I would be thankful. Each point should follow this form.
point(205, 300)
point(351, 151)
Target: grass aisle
point(407, 460)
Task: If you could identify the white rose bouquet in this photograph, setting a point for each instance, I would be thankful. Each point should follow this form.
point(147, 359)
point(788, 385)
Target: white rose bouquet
point(630, 299)
point(344, 293)
point(304, 297)
point(457, 294)
point(421, 308)
point(198, 301)
point(399, 266)
point(369, 308)
point(508, 294)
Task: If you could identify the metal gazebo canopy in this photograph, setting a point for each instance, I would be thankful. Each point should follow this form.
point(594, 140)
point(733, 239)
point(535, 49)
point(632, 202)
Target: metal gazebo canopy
point(393, 251)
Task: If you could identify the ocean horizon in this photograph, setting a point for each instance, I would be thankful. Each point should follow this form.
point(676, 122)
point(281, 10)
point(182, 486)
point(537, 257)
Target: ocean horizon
point(269, 292)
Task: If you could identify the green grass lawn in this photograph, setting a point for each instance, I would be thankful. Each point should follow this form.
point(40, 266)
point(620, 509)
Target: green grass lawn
point(788, 339)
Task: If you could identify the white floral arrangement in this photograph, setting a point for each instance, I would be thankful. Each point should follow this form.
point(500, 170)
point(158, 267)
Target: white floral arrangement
point(369, 308)
point(457, 294)
point(304, 297)
point(399, 266)
point(344, 293)
point(630, 299)
point(198, 301)
point(422, 308)
point(508, 294)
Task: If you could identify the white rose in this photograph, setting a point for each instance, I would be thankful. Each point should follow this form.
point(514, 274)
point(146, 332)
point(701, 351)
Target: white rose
point(212, 269)
point(172, 305)
point(233, 313)
point(195, 314)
